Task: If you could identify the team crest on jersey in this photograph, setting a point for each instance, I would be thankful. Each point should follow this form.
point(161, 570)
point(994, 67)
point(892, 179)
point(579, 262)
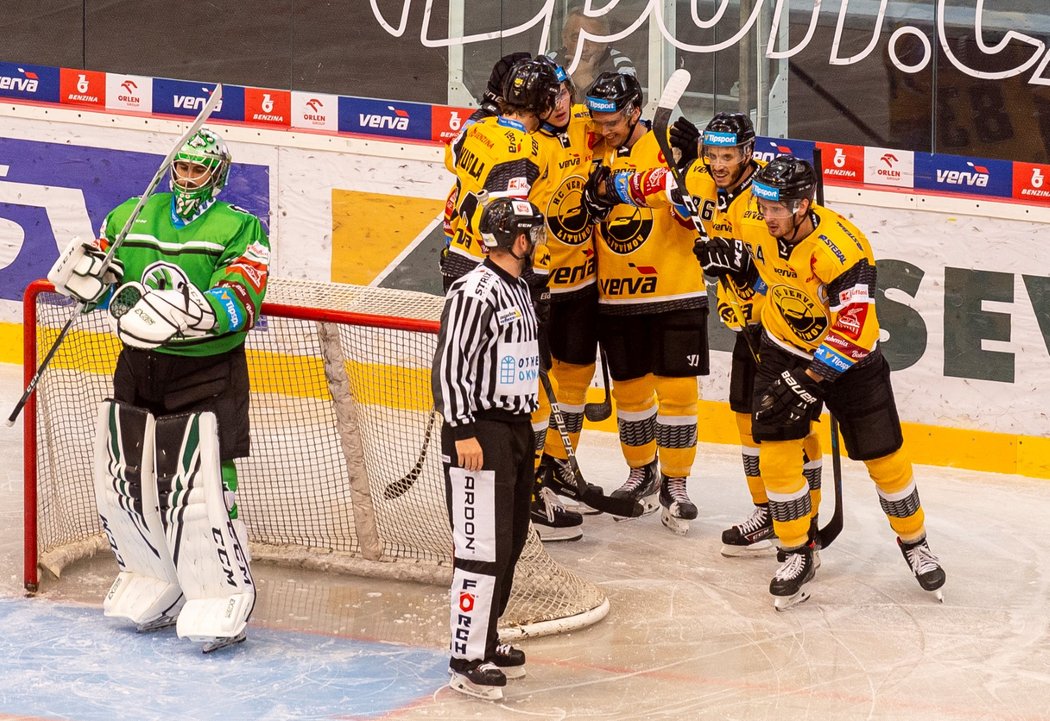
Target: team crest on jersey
point(805, 319)
point(625, 233)
point(164, 276)
point(566, 218)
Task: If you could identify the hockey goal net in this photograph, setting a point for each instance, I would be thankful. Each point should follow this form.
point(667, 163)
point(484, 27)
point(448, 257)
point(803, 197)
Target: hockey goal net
point(340, 413)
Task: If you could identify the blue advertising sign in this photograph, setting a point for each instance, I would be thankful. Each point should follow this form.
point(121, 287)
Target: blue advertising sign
point(384, 117)
point(957, 174)
point(183, 97)
point(768, 148)
point(30, 82)
point(50, 192)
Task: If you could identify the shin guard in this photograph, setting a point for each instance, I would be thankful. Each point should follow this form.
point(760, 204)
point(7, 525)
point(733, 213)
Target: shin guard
point(146, 591)
point(207, 547)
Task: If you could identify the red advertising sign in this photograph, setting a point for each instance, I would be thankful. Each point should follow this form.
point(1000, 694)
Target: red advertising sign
point(1032, 183)
point(842, 163)
point(271, 107)
point(82, 87)
point(446, 122)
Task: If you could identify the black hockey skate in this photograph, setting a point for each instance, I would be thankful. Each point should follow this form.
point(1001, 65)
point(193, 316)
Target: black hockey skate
point(510, 660)
point(556, 474)
point(799, 566)
point(676, 508)
point(642, 486)
point(551, 519)
point(925, 566)
point(753, 537)
point(481, 679)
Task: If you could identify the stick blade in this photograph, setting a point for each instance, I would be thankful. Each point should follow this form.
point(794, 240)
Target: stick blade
point(625, 507)
point(597, 412)
point(674, 90)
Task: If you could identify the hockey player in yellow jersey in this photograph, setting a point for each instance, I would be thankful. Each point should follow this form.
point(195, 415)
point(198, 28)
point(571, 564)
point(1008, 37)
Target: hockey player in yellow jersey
point(820, 343)
point(652, 318)
point(719, 181)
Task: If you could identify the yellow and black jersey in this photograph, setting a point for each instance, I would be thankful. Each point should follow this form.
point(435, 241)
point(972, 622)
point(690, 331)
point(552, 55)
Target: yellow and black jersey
point(559, 194)
point(497, 156)
point(645, 255)
point(820, 298)
point(722, 214)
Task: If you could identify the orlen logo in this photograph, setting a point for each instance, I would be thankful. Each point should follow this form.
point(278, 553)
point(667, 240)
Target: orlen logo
point(977, 179)
point(888, 166)
point(315, 105)
point(28, 83)
point(129, 87)
point(399, 120)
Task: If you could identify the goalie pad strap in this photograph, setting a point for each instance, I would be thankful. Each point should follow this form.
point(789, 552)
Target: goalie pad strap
point(126, 498)
point(208, 548)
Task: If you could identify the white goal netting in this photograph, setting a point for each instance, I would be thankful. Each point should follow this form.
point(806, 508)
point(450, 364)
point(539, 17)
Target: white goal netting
point(340, 409)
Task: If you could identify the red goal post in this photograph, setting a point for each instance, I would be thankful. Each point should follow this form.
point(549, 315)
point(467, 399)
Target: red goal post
point(340, 409)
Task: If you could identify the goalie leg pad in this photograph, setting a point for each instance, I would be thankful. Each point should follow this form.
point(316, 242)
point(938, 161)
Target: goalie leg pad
point(146, 590)
point(209, 549)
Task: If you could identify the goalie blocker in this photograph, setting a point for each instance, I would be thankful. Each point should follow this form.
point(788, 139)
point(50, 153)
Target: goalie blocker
point(163, 506)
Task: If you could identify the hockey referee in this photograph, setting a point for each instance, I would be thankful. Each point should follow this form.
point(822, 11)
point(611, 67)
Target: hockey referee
point(485, 381)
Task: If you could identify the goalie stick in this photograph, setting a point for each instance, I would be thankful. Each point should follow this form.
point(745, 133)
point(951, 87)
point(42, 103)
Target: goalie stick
point(205, 113)
point(673, 92)
point(625, 507)
point(833, 527)
point(398, 488)
point(596, 412)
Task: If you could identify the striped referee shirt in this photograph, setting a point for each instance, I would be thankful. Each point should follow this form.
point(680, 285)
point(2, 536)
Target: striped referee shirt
point(487, 361)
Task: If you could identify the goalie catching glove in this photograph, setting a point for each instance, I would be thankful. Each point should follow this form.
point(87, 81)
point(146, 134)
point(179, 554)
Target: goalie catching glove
point(789, 399)
point(721, 257)
point(145, 318)
point(82, 273)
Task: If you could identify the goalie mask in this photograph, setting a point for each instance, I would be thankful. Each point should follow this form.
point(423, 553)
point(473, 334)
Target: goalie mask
point(198, 172)
point(504, 219)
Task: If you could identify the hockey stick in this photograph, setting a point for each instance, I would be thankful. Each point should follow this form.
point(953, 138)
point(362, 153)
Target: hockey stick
point(398, 488)
point(673, 91)
point(206, 111)
point(833, 527)
point(596, 412)
point(626, 507)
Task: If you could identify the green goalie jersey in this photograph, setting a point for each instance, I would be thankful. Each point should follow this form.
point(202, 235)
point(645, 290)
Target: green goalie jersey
point(224, 253)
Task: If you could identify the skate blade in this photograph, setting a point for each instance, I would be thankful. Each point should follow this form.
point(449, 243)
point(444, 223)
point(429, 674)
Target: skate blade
point(937, 594)
point(216, 644)
point(513, 672)
point(156, 624)
point(677, 526)
point(755, 550)
point(554, 535)
point(650, 505)
point(464, 685)
point(571, 504)
point(783, 603)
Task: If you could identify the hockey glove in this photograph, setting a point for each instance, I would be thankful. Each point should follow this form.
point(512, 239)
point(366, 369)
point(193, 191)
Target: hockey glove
point(721, 257)
point(789, 399)
point(686, 138)
point(78, 272)
point(597, 198)
point(144, 318)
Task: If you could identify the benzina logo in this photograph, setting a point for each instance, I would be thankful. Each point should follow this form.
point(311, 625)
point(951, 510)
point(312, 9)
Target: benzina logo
point(1035, 185)
point(27, 84)
point(399, 120)
point(978, 178)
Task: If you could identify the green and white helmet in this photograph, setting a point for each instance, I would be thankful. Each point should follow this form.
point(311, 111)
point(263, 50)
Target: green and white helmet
point(208, 150)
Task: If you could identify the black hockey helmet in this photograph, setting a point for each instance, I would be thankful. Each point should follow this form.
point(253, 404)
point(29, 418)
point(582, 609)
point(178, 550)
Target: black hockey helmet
point(730, 130)
point(611, 92)
point(504, 219)
point(531, 86)
point(785, 178)
point(501, 69)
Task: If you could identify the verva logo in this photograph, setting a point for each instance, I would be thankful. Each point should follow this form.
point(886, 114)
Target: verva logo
point(1030, 183)
point(82, 87)
point(397, 121)
point(25, 81)
point(447, 122)
point(978, 178)
point(314, 111)
point(272, 107)
point(129, 92)
point(846, 163)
